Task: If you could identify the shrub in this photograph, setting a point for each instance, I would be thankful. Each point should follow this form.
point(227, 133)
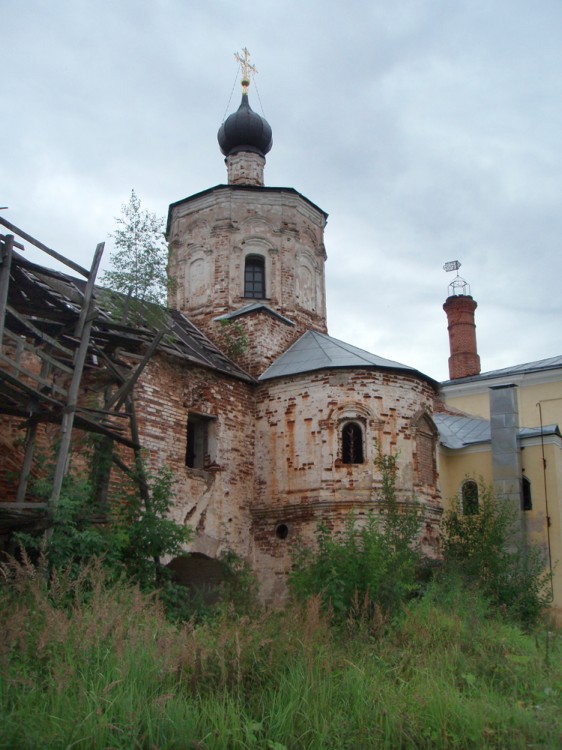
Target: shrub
point(128, 534)
point(481, 549)
point(362, 568)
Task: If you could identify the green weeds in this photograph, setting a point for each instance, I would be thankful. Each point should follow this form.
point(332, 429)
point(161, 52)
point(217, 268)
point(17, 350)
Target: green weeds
point(480, 550)
point(366, 567)
point(112, 672)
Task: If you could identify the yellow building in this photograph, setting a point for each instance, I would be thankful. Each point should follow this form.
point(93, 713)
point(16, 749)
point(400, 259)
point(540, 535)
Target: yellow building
point(502, 427)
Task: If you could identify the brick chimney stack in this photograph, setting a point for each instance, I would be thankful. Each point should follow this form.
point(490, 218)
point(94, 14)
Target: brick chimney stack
point(464, 360)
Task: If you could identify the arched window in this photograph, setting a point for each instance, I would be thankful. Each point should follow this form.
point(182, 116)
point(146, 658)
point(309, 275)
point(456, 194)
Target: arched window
point(526, 492)
point(254, 277)
point(351, 443)
point(469, 494)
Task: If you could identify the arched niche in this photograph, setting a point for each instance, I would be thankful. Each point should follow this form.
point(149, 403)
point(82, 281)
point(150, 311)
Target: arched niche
point(197, 281)
point(425, 435)
point(307, 281)
point(201, 574)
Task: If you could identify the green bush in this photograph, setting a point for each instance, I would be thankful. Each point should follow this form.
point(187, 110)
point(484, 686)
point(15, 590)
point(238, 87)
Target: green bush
point(112, 672)
point(235, 596)
point(128, 534)
point(374, 565)
point(482, 550)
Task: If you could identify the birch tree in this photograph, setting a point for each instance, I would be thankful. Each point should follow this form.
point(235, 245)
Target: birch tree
point(139, 260)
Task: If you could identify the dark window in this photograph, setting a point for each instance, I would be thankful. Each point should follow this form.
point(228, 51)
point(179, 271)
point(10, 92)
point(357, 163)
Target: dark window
point(526, 491)
point(470, 498)
point(254, 277)
point(197, 450)
point(351, 443)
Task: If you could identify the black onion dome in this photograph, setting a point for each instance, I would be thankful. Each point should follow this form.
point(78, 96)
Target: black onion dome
point(245, 130)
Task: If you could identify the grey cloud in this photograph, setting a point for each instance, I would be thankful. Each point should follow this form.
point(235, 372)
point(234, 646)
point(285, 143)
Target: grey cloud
point(429, 131)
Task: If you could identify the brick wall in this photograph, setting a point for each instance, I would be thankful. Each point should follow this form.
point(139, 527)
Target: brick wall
point(210, 237)
point(300, 477)
point(464, 360)
point(214, 501)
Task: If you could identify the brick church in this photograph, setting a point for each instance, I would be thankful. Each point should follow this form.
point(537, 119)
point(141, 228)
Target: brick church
point(291, 438)
point(268, 424)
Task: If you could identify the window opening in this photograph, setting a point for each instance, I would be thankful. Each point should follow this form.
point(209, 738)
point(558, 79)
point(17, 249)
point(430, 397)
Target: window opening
point(254, 277)
point(352, 443)
point(470, 505)
point(526, 491)
point(197, 449)
point(282, 531)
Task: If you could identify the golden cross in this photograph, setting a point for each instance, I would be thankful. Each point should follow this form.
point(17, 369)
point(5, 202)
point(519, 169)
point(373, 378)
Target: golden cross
point(245, 67)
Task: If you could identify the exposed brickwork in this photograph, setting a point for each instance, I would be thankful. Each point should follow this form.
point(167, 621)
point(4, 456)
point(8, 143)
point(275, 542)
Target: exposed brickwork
point(210, 237)
point(267, 338)
point(13, 432)
point(216, 500)
point(464, 360)
point(245, 168)
point(274, 453)
point(300, 477)
point(270, 459)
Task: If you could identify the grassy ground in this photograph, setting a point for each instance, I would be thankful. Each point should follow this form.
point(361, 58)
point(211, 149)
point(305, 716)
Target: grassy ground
point(106, 670)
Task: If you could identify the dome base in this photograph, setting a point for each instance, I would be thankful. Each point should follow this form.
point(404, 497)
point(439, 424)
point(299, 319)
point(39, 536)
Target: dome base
point(245, 168)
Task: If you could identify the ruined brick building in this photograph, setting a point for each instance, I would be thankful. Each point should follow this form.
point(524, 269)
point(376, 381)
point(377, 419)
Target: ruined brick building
point(269, 440)
point(261, 459)
point(267, 423)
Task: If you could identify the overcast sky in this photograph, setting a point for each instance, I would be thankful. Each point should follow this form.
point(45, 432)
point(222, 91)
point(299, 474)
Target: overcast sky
point(429, 130)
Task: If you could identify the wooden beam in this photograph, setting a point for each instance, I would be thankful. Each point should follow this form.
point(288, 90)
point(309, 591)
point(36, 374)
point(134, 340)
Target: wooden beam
point(20, 506)
point(20, 386)
point(124, 468)
point(87, 312)
point(41, 246)
point(40, 334)
point(19, 370)
point(6, 252)
point(110, 364)
point(119, 397)
point(142, 480)
point(84, 328)
point(27, 461)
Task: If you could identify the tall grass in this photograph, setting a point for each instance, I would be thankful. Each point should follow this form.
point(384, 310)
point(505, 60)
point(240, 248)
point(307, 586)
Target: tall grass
point(88, 664)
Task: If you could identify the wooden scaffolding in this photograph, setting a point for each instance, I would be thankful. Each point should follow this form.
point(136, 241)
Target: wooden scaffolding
point(51, 331)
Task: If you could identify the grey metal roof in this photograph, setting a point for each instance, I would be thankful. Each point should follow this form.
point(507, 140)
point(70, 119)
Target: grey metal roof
point(318, 351)
point(541, 365)
point(254, 307)
point(547, 429)
point(456, 431)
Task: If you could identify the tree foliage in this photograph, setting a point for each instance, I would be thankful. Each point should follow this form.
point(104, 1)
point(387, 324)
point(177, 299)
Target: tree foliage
point(139, 261)
point(375, 563)
point(479, 547)
point(129, 534)
point(232, 338)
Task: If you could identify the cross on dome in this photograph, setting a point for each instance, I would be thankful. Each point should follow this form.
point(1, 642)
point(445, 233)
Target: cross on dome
point(245, 67)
